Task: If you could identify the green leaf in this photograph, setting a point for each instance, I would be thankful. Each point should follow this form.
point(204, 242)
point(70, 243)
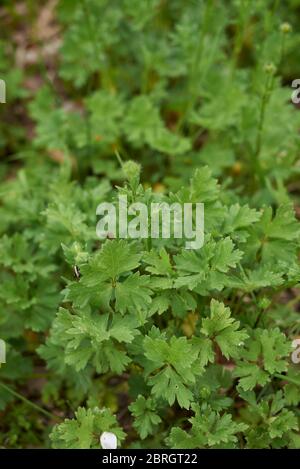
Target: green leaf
point(115, 258)
point(134, 294)
point(171, 366)
point(146, 419)
point(222, 328)
point(85, 429)
point(209, 430)
point(266, 352)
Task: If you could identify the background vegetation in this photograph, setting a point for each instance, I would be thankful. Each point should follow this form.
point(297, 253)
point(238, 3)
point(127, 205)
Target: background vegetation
point(163, 346)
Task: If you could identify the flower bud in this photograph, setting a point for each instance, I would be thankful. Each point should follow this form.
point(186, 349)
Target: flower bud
point(108, 440)
point(264, 303)
point(205, 392)
point(270, 68)
point(131, 170)
point(285, 28)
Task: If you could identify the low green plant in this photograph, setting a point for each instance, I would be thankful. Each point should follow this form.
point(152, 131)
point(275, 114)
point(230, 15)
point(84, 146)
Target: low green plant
point(161, 345)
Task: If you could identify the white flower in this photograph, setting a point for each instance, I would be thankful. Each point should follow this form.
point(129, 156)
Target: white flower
point(108, 440)
point(2, 352)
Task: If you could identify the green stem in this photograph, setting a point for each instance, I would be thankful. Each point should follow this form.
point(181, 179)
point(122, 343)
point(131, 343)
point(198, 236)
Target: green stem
point(258, 318)
point(264, 102)
point(28, 402)
point(119, 158)
point(294, 301)
point(261, 119)
point(282, 50)
point(287, 378)
point(239, 36)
